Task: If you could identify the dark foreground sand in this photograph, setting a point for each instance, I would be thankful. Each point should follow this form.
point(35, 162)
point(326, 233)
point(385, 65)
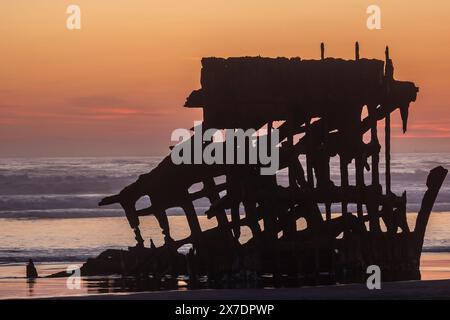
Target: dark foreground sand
point(412, 290)
point(435, 270)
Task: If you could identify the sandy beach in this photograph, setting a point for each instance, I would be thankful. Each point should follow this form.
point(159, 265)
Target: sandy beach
point(406, 290)
point(434, 268)
point(52, 234)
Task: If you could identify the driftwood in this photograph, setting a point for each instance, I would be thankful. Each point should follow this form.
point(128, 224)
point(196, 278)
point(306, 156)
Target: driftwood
point(323, 101)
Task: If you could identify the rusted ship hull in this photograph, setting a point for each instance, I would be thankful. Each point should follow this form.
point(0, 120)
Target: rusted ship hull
point(321, 103)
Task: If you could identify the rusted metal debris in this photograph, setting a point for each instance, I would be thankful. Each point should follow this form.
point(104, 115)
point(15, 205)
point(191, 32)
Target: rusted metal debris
point(252, 92)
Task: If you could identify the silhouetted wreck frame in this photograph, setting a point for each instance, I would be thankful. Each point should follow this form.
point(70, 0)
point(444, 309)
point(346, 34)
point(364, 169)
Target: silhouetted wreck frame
point(253, 92)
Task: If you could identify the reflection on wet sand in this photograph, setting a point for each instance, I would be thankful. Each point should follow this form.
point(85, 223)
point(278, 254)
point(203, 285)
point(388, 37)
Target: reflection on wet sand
point(434, 266)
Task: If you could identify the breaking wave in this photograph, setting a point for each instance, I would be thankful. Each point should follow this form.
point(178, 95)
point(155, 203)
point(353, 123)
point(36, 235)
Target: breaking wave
point(72, 187)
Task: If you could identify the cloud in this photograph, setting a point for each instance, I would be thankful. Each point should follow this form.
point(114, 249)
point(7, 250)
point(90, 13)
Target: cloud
point(98, 100)
point(430, 129)
point(82, 109)
point(4, 107)
point(105, 107)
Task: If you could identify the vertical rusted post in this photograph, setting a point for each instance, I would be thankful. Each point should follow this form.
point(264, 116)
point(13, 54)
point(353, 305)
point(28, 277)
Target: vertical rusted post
point(291, 168)
point(387, 130)
point(290, 226)
point(344, 181)
point(359, 183)
point(435, 180)
point(344, 193)
point(269, 137)
point(326, 133)
point(233, 191)
point(322, 51)
point(328, 211)
point(309, 164)
point(268, 207)
point(372, 205)
point(374, 141)
point(213, 197)
point(359, 165)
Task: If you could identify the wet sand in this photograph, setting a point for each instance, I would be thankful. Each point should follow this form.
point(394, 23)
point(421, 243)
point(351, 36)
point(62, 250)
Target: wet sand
point(405, 290)
point(434, 266)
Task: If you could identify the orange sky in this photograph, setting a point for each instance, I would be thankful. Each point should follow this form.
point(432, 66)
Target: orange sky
point(117, 86)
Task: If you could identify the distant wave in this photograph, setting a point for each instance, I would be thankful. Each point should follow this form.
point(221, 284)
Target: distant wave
point(81, 255)
point(54, 255)
point(48, 202)
point(436, 249)
point(74, 213)
point(70, 175)
point(26, 184)
point(72, 187)
point(61, 214)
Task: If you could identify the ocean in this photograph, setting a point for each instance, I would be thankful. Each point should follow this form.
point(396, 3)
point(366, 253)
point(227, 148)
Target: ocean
point(49, 212)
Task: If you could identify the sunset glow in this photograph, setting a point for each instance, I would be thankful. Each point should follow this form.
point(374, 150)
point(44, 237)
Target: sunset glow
point(117, 86)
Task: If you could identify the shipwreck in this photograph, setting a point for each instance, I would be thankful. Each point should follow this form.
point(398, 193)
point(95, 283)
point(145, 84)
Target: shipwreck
point(319, 104)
